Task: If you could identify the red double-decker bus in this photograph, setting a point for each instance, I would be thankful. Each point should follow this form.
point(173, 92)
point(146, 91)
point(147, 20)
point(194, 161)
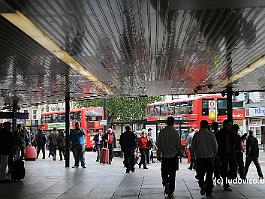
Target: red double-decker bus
point(211, 108)
point(89, 119)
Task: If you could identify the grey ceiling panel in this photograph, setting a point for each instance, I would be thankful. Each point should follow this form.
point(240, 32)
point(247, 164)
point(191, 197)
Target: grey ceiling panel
point(133, 45)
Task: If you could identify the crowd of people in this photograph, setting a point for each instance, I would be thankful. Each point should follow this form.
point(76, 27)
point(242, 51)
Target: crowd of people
point(220, 152)
point(14, 142)
point(214, 153)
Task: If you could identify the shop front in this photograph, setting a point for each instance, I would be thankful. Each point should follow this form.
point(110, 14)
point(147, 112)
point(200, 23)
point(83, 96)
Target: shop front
point(256, 122)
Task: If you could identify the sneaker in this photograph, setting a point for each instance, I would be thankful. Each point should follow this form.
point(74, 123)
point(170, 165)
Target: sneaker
point(127, 170)
point(133, 170)
point(84, 167)
point(203, 189)
point(190, 168)
point(228, 188)
point(167, 190)
point(74, 166)
point(145, 168)
point(261, 178)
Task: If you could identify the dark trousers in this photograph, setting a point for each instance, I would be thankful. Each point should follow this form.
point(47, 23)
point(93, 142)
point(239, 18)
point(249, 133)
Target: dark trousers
point(192, 161)
point(42, 148)
point(143, 160)
point(256, 162)
point(148, 156)
point(228, 168)
point(217, 167)
point(110, 152)
point(169, 167)
point(79, 154)
point(129, 159)
point(205, 166)
point(240, 164)
point(98, 147)
point(61, 152)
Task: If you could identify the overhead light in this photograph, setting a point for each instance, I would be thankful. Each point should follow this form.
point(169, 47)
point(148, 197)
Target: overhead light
point(24, 24)
point(245, 71)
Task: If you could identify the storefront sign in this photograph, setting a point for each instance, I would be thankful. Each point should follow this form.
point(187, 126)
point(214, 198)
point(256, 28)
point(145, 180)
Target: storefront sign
point(239, 114)
point(254, 112)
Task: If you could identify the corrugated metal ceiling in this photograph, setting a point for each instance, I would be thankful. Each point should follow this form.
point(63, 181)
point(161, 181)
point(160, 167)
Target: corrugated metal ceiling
point(136, 47)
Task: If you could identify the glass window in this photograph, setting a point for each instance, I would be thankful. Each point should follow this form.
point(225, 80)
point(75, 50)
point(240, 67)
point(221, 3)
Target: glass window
point(164, 109)
point(156, 109)
point(171, 109)
point(183, 108)
point(190, 107)
point(151, 111)
point(205, 106)
point(75, 116)
point(177, 111)
point(34, 114)
point(221, 107)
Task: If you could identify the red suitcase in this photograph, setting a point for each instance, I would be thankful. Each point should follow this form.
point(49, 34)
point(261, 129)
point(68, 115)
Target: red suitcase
point(104, 157)
point(31, 153)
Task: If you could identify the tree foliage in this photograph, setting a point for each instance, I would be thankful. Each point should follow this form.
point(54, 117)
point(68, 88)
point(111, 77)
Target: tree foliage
point(122, 108)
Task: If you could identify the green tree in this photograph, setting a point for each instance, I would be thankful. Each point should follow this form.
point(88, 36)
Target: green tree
point(123, 108)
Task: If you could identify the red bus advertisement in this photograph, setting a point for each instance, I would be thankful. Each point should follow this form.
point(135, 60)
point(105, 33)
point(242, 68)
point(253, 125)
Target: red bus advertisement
point(89, 119)
point(211, 108)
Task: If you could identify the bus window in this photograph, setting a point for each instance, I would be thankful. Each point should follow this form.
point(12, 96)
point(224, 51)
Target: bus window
point(190, 107)
point(171, 109)
point(177, 111)
point(183, 108)
point(205, 106)
point(157, 109)
point(222, 107)
point(164, 109)
point(151, 111)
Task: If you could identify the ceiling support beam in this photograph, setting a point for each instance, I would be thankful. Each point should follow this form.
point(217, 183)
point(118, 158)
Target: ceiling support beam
point(247, 70)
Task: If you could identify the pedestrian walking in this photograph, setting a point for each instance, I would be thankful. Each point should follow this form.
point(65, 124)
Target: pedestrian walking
point(98, 143)
point(189, 148)
point(53, 138)
point(143, 147)
point(61, 144)
point(204, 146)
point(41, 141)
point(128, 142)
point(169, 148)
point(252, 154)
point(6, 148)
point(239, 151)
point(226, 151)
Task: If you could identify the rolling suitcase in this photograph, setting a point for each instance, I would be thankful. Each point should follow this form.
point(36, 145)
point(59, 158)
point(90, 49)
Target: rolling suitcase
point(17, 170)
point(31, 153)
point(104, 156)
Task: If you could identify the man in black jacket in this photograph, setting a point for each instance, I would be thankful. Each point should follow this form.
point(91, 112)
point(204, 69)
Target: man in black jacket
point(6, 145)
point(128, 142)
point(252, 153)
point(226, 151)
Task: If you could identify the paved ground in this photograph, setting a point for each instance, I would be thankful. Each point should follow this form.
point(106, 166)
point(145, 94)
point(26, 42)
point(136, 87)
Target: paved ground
point(49, 179)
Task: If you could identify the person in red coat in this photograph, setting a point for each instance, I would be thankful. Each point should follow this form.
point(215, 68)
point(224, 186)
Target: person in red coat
point(143, 146)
